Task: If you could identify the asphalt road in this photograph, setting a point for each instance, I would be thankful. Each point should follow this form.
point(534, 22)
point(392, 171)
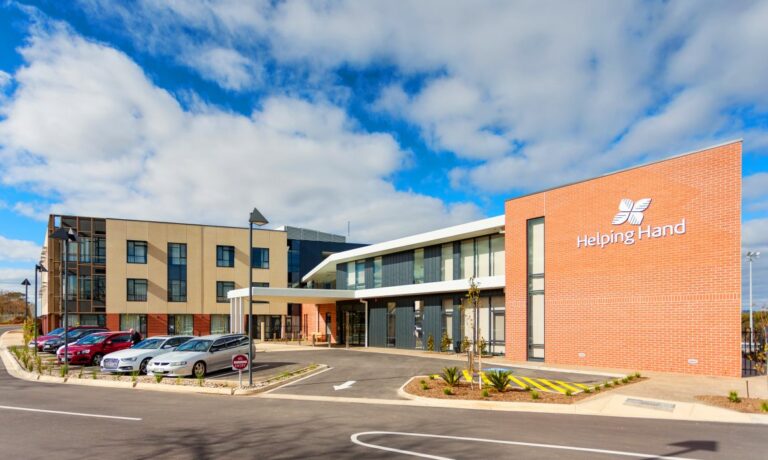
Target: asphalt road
point(166, 425)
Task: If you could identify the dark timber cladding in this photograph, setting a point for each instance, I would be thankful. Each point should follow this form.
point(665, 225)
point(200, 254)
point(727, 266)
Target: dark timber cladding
point(397, 269)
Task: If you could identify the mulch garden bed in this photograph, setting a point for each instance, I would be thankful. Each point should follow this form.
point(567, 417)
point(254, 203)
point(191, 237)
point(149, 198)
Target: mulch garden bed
point(749, 405)
point(435, 389)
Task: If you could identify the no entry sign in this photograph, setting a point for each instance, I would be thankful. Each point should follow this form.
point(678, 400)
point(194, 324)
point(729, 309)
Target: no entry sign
point(239, 362)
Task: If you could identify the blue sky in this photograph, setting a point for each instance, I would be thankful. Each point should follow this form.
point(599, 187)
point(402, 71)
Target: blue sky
point(396, 116)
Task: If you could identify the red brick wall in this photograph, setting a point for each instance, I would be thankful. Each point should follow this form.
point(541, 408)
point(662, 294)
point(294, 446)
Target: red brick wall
point(157, 324)
point(113, 321)
point(201, 324)
point(652, 305)
point(316, 319)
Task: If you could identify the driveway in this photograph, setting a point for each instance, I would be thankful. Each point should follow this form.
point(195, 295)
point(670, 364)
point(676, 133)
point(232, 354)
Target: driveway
point(380, 375)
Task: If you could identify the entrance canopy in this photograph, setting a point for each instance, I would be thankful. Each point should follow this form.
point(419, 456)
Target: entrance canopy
point(293, 295)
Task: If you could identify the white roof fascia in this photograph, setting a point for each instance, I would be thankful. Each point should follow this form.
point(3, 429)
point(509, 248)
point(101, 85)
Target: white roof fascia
point(443, 235)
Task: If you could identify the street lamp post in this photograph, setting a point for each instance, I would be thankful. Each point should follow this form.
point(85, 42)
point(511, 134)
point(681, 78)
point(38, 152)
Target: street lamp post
point(751, 257)
point(26, 284)
point(66, 236)
point(39, 268)
point(255, 218)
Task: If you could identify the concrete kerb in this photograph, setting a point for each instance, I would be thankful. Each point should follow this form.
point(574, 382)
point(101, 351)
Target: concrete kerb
point(15, 370)
point(605, 404)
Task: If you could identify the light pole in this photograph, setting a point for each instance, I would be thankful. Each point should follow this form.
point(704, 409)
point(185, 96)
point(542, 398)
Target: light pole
point(26, 284)
point(751, 257)
point(39, 268)
point(66, 236)
point(258, 219)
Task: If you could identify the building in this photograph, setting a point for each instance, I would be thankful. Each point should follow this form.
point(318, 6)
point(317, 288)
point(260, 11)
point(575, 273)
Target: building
point(636, 269)
point(172, 278)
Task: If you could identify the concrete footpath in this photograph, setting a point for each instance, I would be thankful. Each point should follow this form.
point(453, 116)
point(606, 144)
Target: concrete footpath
point(661, 396)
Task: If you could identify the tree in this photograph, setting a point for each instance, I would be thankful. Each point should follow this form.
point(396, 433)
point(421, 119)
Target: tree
point(11, 304)
point(472, 302)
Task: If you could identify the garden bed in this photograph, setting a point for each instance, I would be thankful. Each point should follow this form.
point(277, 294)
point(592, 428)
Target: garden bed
point(436, 389)
point(749, 405)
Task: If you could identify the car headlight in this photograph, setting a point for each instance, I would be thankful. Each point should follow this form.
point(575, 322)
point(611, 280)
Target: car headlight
point(179, 363)
point(84, 352)
point(128, 360)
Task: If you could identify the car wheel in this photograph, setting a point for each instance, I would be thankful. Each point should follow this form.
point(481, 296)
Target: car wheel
point(97, 359)
point(198, 369)
point(143, 366)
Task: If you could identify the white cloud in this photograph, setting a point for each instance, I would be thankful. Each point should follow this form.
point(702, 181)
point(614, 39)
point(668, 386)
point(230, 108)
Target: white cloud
point(85, 124)
point(5, 78)
point(18, 250)
point(227, 67)
point(11, 278)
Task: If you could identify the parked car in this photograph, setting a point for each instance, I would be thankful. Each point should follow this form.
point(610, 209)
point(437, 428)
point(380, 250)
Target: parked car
point(137, 357)
point(91, 349)
point(44, 338)
point(75, 334)
point(200, 355)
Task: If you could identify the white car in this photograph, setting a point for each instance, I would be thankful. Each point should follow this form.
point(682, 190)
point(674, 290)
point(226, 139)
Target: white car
point(200, 355)
point(137, 357)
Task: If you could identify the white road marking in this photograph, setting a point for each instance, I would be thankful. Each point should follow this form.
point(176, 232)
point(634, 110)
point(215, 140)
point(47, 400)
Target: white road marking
point(355, 439)
point(344, 385)
point(79, 414)
point(297, 380)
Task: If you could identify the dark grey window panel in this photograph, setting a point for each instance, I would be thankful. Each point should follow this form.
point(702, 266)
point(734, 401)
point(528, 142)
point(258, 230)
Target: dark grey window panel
point(341, 276)
point(432, 264)
point(397, 269)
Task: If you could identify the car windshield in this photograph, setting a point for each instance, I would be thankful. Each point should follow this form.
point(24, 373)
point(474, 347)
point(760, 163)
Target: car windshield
point(149, 344)
point(57, 331)
point(76, 333)
point(89, 339)
point(195, 345)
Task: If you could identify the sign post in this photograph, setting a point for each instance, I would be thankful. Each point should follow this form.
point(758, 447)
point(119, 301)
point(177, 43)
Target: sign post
point(240, 362)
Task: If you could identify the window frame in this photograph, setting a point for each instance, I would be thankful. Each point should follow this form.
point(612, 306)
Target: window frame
point(131, 257)
point(220, 260)
point(263, 260)
point(131, 286)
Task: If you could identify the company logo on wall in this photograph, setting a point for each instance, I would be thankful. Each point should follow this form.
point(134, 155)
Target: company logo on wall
point(632, 213)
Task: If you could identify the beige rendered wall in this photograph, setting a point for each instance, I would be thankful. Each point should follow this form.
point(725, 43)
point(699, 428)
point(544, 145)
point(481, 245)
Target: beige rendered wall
point(202, 272)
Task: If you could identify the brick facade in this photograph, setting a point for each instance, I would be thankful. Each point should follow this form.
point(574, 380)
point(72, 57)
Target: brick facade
point(315, 319)
point(201, 325)
point(157, 324)
point(666, 304)
point(113, 321)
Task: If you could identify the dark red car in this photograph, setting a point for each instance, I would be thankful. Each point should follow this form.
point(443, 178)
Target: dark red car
point(90, 349)
point(57, 334)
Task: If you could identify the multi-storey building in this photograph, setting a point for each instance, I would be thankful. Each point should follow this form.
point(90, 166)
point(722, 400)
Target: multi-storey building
point(171, 278)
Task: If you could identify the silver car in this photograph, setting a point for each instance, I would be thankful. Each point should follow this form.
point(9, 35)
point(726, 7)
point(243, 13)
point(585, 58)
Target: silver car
point(137, 357)
point(200, 356)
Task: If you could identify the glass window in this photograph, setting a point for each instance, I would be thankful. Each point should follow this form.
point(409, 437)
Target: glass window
point(85, 287)
point(219, 324)
point(137, 290)
point(536, 247)
point(177, 291)
point(497, 255)
point(446, 269)
point(100, 288)
point(177, 254)
point(483, 250)
point(418, 266)
point(71, 286)
point(85, 249)
point(135, 322)
point(391, 325)
point(377, 272)
point(137, 252)
point(260, 257)
point(484, 319)
point(100, 250)
point(536, 285)
point(448, 318)
point(225, 256)
point(222, 287)
point(467, 259)
point(351, 275)
point(181, 325)
point(418, 330)
point(360, 274)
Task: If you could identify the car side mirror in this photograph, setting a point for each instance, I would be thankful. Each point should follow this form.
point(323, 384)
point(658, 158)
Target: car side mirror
point(109, 342)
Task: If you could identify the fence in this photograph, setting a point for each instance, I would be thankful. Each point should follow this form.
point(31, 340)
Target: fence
point(753, 352)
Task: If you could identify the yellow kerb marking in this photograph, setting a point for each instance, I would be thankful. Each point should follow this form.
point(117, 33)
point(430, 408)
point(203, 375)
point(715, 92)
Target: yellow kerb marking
point(555, 387)
point(536, 384)
point(567, 385)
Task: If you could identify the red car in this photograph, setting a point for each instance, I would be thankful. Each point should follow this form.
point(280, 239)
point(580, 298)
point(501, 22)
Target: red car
point(90, 349)
point(57, 334)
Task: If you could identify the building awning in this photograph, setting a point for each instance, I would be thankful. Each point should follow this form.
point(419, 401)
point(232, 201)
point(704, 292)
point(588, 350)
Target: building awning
point(293, 295)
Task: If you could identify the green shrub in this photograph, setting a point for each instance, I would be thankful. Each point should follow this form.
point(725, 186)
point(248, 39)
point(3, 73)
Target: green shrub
point(608, 384)
point(422, 381)
point(178, 380)
point(450, 376)
point(637, 375)
point(733, 396)
point(64, 371)
point(631, 377)
point(568, 393)
point(499, 379)
point(617, 382)
point(93, 375)
point(158, 378)
point(431, 377)
point(485, 393)
point(625, 380)
point(596, 388)
point(482, 345)
point(424, 386)
point(587, 390)
point(445, 342)
point(134, 376)
point(534, 394)
point(430, 343)
point(80, 374)
point(447, 391)
point(200, 379)
point(764, 406)
point(465, 344)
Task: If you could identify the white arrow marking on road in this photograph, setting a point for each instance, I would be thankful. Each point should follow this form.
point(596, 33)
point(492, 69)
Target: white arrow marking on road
point(344, 385)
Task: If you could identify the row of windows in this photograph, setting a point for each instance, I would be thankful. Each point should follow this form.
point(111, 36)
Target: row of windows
point(177, 324)
point(177, 255)
point(88, 250)
point(137, 290)
point(482, 256)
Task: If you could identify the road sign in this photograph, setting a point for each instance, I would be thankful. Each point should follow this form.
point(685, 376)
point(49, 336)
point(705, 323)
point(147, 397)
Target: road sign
point(239, 362)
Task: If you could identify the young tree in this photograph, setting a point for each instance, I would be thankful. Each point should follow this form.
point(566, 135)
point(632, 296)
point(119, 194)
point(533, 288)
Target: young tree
point(472, 302)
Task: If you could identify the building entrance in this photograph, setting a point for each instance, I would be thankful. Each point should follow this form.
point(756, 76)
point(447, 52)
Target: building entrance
point(351, 324)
